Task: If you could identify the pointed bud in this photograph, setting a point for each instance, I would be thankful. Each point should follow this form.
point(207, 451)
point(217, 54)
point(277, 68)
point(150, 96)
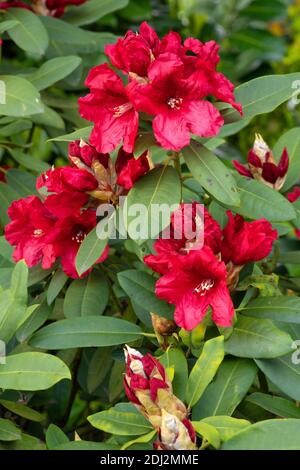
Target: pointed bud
point(174, 435)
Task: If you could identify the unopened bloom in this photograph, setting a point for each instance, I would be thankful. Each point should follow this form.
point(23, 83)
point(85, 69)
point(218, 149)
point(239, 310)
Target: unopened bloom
point(245, 242)
point(194, 283)
point(262, 166)
point(109, 107)
point(148, 387)
point(29, 229)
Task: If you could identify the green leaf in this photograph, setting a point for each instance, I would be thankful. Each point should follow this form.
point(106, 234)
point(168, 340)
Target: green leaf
point(139, 440)
point(140, 287)
point(35, 321)
point(89, 251)
point(88, 296)
point(29, 161)
point(205, 369)
point(32, 371)
point(22, 410)
point(283, 373)
point(281, 308)
point(7, 196)
point(175, 358)
point(257, 338)
point(26, 442)
point(289, 257)
point(258, 199)
point(208, 432)
point(211, 173)
point(16, 127)
point(56, 284)
point(272, 434)
point(8, 431)
point(120, 423)
point(161, 186)
point(85, 332)
point(6, 25)
point(53, 70)
point(49, 118)
point(29, 33)
point(98, 368)
point(92, 11)
point(55, 437)
point(83, 133)
point(223, 395)
point(6, 249)
point(264, 94)
point(276, 405)
point(227, 426)
point(86, 445)
point(18, 97)
point(290, 140)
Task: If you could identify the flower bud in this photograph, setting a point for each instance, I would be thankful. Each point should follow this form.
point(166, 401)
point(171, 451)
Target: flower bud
point(163, 326)
point(175, 434)
point(262, 165)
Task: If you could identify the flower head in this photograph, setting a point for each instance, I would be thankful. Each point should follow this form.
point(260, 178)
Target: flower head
point(246, 242)
point(194, 283)
point(262, 166)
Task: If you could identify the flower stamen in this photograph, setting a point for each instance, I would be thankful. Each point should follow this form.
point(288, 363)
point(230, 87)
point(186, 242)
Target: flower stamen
point(204, 287)
point(175, 103)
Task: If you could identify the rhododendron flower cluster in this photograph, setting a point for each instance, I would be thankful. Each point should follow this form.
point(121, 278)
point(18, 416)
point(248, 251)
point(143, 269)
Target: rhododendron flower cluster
point(148, 387)
point(196, 278)
point(167, 80)
point(44, 230)
point(42, 7)
point(262, 165)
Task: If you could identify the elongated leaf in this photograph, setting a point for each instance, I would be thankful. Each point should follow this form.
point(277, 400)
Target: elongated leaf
point(21, 181)
point(8, 431)
point(90, 251)
point(120, 423)
point(140, 287)
point(205, 369)
point(55, 437)
point(276, 405)
point(22, 410)
point(18, 97)
point(223, 395)
point(56, 284)
point(32, 371)
point(29, 33)
point(88, 296)
point(35, 321)
point(281, 308)
point(257, 338)
point(227, 426)
point(264, 94)
point(211, 173)
point(85, 332)
point(273, 434)
point(86, 445)
point(159, 187)
point(28, 161)
point(93, 10)
point(53, 70)
point(257, 199)
point(284, 373)
point(83, 133)
point(176, 359)
point(209, 432)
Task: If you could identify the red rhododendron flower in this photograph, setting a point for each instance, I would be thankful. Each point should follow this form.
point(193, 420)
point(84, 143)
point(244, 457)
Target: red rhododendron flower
point(42, 7)
point(108, 106)
point(294, 195)
point(246, 242)
point(262, 166)
point(195, 282)
point(135, 52)
point(182, 236)
point(67, 236)
point(176, 104)
point(66, 178)
point(82, 155)
point(29, 229)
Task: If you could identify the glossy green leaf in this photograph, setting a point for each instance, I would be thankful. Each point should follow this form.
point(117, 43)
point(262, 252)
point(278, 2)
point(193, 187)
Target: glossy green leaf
point(29, 33)
point(92, 11)
point(56, 284)
point(208, 432)
point(226, 425)
point(32, 371)
point(22, 410)
point(120, 423)
point(205, 369)
point(85, 332)
point(18, 97)
point(90, 251)
point(281, 308)
point(8, 431)
point(53, 70)
point(273, 434)
point(223, 395)
point(176, 359)
point(55, 437)
point(140, 287)
point(276, 405)
point(257, 338)
point(211, 173)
